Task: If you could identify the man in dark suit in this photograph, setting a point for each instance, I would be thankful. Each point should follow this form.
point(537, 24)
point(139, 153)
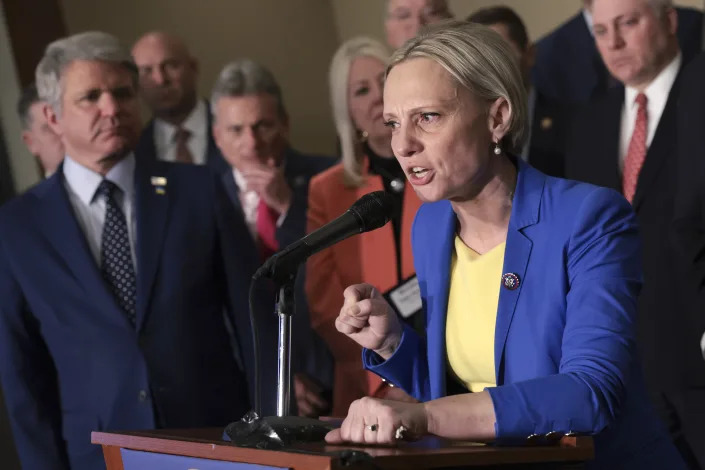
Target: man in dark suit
point(689, 212)
point(627, 141)
point(40, 140)
point(268, 185)
point(548, 119)
point(181, 126)
point(114, 276)
point(569, 68)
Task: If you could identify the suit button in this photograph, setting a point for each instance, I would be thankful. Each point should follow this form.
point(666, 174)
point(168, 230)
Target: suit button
point(142, 396)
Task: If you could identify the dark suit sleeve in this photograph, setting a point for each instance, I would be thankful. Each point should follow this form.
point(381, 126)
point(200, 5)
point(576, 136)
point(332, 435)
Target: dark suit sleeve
point(28, 379)
point(689, 223)
point(239, 260)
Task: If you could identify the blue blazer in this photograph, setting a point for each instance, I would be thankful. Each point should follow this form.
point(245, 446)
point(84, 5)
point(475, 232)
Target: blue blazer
point(71, 363)
point(564, 339)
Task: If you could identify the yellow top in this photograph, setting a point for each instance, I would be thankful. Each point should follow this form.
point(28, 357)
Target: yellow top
point(475, 281)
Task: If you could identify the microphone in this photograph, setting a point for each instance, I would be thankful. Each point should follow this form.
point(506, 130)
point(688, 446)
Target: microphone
point(370, 212)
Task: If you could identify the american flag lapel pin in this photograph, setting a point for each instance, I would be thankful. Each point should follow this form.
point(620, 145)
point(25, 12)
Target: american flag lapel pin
point(159, 183)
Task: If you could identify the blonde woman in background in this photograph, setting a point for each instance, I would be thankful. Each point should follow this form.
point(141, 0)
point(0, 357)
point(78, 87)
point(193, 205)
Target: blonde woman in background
point(382, 257)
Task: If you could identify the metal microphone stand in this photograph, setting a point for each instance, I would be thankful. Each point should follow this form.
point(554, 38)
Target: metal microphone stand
point(281, 431)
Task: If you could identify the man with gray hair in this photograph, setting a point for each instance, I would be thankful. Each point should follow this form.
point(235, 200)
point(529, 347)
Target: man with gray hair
point(627, 141)
point(569, 69)
point(268, 185)
point(114, 276)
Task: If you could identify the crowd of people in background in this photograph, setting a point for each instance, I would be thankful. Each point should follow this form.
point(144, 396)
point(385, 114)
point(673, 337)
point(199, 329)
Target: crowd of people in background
point(124, 275)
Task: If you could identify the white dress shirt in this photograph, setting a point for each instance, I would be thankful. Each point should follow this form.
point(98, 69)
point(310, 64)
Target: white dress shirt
point(196, 123)
point(657, 95)
point(81, 185)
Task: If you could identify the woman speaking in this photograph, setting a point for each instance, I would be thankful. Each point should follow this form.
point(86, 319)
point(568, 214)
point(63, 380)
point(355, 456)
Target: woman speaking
point(529, 282)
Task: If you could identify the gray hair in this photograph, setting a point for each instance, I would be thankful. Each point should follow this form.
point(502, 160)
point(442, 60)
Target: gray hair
point(245, 77)
point(479, 60)
point(339, 77)
point(92, 45)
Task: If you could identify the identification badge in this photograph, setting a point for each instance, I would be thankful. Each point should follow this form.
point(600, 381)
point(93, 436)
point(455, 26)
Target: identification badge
point(406, 297)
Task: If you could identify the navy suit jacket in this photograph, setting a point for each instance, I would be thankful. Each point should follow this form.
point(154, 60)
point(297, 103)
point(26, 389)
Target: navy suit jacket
point(71, 363)
point(569, 69)
point(565, 354)
point(309, 353)
point(214, 158)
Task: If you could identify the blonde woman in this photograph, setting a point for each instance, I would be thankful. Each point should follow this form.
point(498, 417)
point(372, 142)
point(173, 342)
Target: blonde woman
point(529, 282)
point(382, 257)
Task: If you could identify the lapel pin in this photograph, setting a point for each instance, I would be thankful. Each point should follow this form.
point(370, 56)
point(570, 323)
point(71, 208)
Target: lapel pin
point(159, 183)
point(510, 281)
point(546, 123)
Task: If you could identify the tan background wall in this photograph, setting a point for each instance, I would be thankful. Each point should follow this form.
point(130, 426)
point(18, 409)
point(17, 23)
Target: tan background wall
point(365, 17)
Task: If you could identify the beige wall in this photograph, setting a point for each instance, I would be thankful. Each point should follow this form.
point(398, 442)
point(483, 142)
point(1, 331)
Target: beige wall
point(295, 39)
point(24, 169)
point(365, 17)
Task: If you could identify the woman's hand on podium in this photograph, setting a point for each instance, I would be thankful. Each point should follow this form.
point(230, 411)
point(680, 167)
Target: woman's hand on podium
point(369, 320)
point(381, 422)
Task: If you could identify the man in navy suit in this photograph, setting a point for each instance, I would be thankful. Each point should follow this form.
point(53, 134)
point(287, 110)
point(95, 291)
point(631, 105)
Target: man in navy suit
point(268, 185)
point(115, 274)
point(181, 126)
point(569, 69)
point(627, 140)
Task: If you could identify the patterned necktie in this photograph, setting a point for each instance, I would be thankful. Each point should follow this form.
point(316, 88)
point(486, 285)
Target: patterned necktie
point(636, 153)
point(181, 137)
point(115, 253)
point(267, 229)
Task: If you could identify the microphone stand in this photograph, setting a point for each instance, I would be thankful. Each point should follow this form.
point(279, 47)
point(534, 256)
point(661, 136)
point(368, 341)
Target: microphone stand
point(285, 309)
point(283, 430)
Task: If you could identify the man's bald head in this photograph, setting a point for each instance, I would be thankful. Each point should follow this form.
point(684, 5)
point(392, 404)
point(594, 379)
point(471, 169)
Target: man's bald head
point(168, 74)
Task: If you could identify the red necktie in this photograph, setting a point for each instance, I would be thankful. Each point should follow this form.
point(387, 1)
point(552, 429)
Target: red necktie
point(267, 229)
point(636, 153)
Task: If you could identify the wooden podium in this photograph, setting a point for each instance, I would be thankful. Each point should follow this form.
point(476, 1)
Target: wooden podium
point(203, 449)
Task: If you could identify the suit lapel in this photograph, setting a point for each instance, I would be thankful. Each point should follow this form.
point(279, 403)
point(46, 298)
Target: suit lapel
point(605, 161)
point(662, 147)
point(437, 255)
point(152, 206)
point(56, 220)
point(525, 212)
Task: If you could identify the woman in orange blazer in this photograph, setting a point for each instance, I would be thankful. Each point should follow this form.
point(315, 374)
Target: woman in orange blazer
point(381, 257)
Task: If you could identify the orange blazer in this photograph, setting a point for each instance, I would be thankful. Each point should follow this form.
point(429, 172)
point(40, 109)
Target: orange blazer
point(369, 257)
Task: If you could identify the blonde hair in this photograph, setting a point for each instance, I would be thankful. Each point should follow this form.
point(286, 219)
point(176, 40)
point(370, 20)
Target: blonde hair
point(339, 77)
point(479, 60)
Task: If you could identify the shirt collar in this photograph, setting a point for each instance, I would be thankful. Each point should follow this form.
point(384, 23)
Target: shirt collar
point(588, 19)
point(195, 123)
point(84, 182)
point(660, 87)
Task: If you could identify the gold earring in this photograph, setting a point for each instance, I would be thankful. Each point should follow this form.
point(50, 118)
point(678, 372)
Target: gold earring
point(363, 135)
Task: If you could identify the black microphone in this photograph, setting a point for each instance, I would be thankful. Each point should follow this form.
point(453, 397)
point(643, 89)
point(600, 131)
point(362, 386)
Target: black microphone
point(370, 212)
